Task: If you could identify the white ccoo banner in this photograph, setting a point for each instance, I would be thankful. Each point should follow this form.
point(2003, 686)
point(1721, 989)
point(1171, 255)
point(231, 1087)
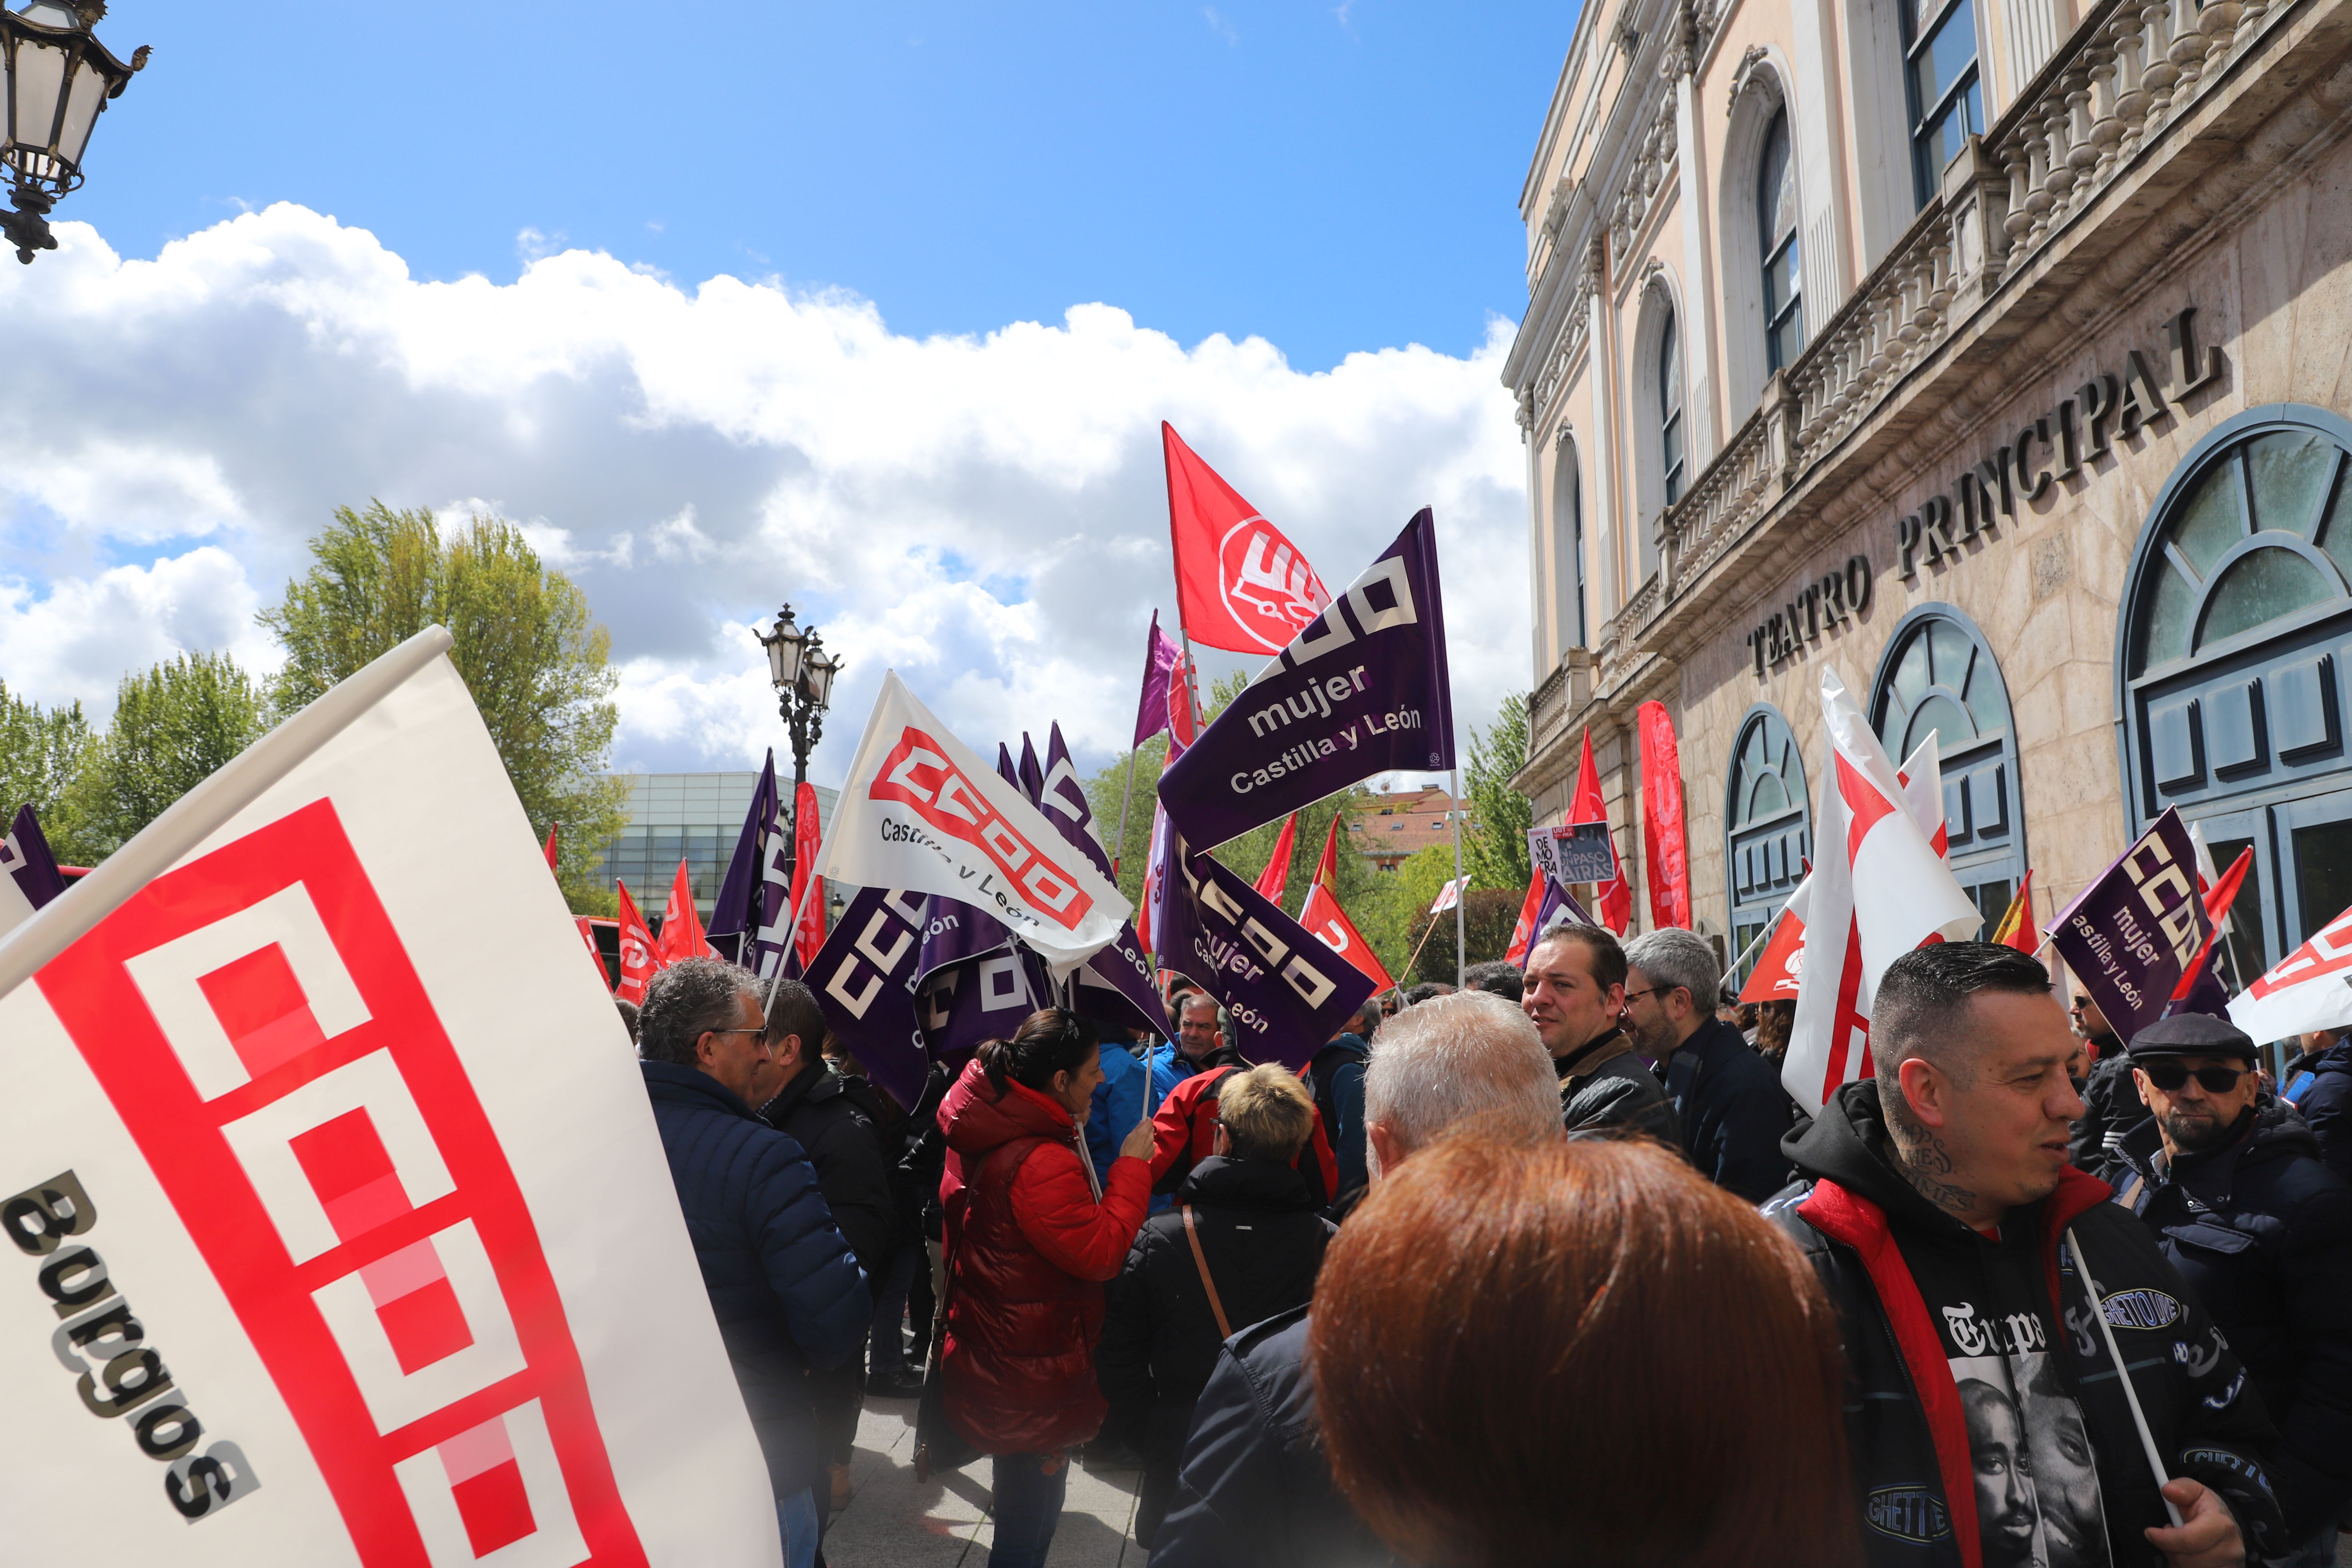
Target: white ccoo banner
point(340, 1232)
point(921, 812)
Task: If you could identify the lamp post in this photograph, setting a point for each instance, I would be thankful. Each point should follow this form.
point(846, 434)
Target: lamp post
point(60, 79)
point(802, 672)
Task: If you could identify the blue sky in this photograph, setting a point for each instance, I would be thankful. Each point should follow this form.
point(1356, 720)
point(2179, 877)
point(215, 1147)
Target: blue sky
point(874, 307)
point(1334, 178)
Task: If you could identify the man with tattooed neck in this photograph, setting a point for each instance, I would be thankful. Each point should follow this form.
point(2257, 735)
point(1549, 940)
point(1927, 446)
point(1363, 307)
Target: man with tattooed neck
point(1936, 1203)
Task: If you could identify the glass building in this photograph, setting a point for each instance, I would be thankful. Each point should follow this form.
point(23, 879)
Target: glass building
point(694, 818)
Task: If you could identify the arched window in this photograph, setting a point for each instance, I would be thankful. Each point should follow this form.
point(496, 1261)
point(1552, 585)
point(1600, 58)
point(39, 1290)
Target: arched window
point(1776, 242)
point(1671, 432)
point(2233, 653)
point(1938, 676)
point(1768, 826)
point(1567, 545)
point(1939, 68)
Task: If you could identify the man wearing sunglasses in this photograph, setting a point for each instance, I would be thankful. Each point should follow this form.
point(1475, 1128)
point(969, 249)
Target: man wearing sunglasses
point(2229, 1181)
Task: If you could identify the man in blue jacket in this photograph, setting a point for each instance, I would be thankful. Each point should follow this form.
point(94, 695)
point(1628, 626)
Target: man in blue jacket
point(1728, 1100)
point(784, 1285)
point(2318, 1084)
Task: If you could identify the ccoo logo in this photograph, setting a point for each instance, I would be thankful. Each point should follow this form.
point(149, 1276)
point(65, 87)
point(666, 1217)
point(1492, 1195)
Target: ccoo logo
point(1268, 588)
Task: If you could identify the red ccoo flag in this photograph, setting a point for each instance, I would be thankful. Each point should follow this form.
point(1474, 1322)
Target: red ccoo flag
point(640, 956)
point(1322, 915)
point(1240, 585)
point(681, 932)
point(808, 902)
point(1276, 875)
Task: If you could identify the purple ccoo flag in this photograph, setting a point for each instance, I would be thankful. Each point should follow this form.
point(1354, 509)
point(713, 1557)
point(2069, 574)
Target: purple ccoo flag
point(1116, 982)
point(1362, 690)
point(2137, 928)
point(984, 998)
point(741, 907)
point(1033, 777)
point(1289, 994)
point(864, 980)
point(33, 878)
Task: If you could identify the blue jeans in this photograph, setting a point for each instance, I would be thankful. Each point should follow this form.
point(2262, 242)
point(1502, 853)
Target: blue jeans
point(797, 1520)
point(1027, 1507)
point(889, 1340)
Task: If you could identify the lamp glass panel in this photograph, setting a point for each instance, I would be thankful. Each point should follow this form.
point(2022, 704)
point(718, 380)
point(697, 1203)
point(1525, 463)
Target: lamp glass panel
point(50, 14)
point(84, 101)
point(39, 77)
point(784, 658)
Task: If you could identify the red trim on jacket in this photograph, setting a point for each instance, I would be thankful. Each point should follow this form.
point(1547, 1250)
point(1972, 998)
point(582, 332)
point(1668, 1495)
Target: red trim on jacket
point(1184, 1131)
point(2077, 1194)
point(1860, 1223)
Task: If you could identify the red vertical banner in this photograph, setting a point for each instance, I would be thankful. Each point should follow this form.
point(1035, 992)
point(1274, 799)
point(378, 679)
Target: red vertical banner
point(1664, 848)
point(808, 902)
point(640, 956)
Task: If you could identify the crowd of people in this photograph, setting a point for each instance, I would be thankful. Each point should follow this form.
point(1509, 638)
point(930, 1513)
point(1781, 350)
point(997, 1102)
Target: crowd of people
point(1549, 1271)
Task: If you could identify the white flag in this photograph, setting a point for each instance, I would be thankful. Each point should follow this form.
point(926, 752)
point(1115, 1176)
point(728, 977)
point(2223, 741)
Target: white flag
point(1922, 778)
point(921, 811)
point(1878, 890)
point(340, 1232)
point(2311, 988)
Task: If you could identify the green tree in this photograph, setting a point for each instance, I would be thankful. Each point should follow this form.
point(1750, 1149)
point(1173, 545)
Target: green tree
point(1495, 840)
point(40, 752)
point(174, 726)
point(539, 667)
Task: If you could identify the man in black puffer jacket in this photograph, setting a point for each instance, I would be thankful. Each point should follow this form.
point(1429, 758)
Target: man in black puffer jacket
point(784, 1284)
point(1986, 1421)
point(1244, 1244)
point(818, 1109)
point(2229, 1183)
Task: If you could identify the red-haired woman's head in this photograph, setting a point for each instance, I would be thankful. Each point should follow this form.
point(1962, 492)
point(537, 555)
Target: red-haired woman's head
point(1580, 1354)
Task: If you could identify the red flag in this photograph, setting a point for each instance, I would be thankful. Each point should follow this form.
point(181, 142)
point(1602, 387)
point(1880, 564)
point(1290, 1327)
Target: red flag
point(552, 829)
point(1781, 965)
point(1322, 915)
point(588, 934)
point(1240, 585)
point(1616, 898)
point(2016, 928)
point(1523, 933)
point(641, 958)
point(1276, 875)
point(807, 840)
point(681, 932)
point(1663, 846)
point(2218, 900)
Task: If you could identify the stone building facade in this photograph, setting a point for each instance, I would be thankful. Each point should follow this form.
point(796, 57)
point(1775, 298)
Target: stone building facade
point(1994, 353)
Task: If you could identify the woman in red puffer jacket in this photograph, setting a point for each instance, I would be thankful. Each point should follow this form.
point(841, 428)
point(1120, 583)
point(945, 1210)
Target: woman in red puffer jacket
point(1032, 1235)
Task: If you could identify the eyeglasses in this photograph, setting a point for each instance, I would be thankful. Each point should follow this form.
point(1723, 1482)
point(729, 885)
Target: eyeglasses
point(2171, 1077)
point(1652, 990)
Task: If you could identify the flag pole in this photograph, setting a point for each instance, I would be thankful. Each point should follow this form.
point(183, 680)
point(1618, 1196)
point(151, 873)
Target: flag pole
point(1757, 940)
point(1416, 951)
point(800, 905)
point(2123, 1373)
point(1462, 897)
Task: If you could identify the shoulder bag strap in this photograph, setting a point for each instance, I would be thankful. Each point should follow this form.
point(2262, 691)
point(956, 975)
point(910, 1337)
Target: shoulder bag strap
point(1201, 1261)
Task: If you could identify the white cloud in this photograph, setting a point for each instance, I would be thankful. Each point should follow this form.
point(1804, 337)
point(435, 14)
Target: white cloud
point(985, 514)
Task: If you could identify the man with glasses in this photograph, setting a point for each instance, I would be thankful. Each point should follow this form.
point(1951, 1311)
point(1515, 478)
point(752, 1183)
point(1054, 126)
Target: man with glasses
point(1728, 1100)
point(2230, 1180)
point(784, 1284)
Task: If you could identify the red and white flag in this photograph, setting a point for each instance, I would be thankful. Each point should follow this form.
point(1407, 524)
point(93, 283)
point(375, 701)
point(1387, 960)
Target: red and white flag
point(1276, 875)
point(342, 1274)
point(1322, 915)
point(1450, 895)
point(922, 813)
point(1240, 585)
point(2311, 988)
point(641, 957)
point(1878, 890)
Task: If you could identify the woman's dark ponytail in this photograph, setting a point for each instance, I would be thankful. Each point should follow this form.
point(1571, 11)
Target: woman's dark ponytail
point(1052, 1040)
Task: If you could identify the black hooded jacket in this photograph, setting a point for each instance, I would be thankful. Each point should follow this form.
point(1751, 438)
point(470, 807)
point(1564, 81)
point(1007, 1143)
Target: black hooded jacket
point(1263, 1243)
point(2262, 1233)
point(2112, 1111)
point(1916, 1290)
point(820, 1111)
point(1605, 1083)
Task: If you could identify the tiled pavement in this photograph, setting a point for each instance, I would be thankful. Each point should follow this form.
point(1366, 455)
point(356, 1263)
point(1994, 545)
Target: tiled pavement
point(894, 1521)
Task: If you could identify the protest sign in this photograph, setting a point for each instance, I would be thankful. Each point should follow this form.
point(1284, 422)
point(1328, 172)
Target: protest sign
point(1575, 854)
point(2131, 935)
point(1362, 690)
point(921, 811)
point(347, 1230)
point(1287, 993)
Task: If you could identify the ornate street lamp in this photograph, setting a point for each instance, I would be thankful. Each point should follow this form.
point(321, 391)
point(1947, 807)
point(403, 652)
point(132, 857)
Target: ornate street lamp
point(802, 672)
point(61, 79)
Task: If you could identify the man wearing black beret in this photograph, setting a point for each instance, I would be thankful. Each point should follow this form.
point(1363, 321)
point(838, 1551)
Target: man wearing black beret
point(2230, 1180)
